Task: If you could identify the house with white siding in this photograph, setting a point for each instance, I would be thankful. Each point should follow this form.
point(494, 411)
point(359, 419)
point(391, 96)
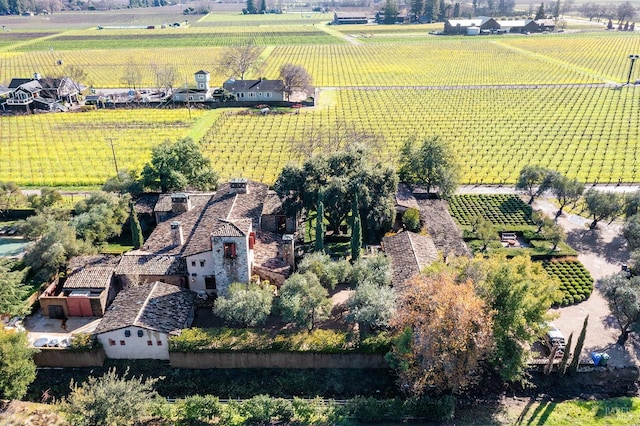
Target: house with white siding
point(141, 319)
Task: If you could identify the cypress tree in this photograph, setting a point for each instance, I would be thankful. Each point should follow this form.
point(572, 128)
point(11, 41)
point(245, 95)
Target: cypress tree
point(320, 229)
point(356, 230)
point(136, 230)
point(562, 368)
point(573, 367)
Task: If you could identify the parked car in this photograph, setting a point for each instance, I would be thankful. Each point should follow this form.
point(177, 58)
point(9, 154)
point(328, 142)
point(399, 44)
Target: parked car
point(554, 337)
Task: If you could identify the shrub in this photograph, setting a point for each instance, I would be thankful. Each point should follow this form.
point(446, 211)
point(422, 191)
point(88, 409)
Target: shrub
point(198, 408)
point(263, 409)
point(411, 220)
point(83, 342)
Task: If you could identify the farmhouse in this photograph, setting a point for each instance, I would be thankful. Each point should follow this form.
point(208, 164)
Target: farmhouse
point(256, 90)
point(42, 93)
point(205, 244)
point(346, 18)
point(140, 320)
point(201, 93)
point(463, 26)
point(85, 292)
point(520, 26)
point(546, 24)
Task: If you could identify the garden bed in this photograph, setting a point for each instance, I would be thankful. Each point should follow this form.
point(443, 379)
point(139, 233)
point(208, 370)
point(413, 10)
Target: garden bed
point(507, 212)
point(576, 283)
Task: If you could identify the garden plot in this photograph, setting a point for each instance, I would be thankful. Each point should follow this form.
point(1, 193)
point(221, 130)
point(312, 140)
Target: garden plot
point(576, 283)
point(505, 211)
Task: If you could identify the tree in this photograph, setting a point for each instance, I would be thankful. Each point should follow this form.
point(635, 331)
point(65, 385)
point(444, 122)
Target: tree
point(100, 216)
point(295, 78)
point(411, 220)
point(320, 228)
point(47, 198)
point(341, 175)
point(132, 76)
point(566, 191)
point(416, 8)
point(329, 272)
point(631, 231)
point(177, 166)
point(375, 269)
point(535, 180)
point(573, 367)
point(540, 220)
point(245, 304)
point(77, 74)
point(518, 292)
point(17, 369)
point(486, 232)
point(137, 238)
point(109, 400)
point(52, 251)
point(372, 305)
point(251, 7)
point(554, 233)
point(540, 14)
point(10, 196)
point(236, 61)
point(390, 11)
point(632, 204)
point(431, 164)
point(562, 368)
point(263, 6)
point(166, 76)
point(443, 330)
point(603, 205)
point(623, 296)
point(356, 230)
point(126, 182)
point(303, 301)
point(13, 292)
point(626, 11)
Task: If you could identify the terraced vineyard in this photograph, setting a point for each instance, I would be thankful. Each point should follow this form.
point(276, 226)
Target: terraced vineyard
point(576, 283)
point(503, 210)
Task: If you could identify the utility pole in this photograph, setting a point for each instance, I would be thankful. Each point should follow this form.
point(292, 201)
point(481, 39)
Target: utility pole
point(113, 151)
point(633, 60)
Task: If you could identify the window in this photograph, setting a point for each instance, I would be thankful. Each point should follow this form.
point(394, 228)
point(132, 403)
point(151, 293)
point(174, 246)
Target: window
point(202, 263)
point(190, 98)
point(122, 343)
point(112, 342)
point(252, 240)
point(260, 94)
point(127, 333)
point(140, 333)
point(241, 95)
point(193, 263)
point(268, 94)
point(252, 94)
point(230, 250)
point(149, 343)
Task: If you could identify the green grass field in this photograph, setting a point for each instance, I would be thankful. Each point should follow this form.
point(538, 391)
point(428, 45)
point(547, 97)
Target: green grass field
point(501, 101)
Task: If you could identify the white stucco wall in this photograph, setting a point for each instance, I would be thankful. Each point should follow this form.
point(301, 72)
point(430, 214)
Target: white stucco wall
point(135, 347)
point(196, 282)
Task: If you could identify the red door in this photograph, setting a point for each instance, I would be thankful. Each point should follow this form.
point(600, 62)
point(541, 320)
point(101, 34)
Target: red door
point(79, 306)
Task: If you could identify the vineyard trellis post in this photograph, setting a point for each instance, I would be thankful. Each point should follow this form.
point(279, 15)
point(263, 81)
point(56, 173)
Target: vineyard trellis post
point(113, 151)
point(633, 60)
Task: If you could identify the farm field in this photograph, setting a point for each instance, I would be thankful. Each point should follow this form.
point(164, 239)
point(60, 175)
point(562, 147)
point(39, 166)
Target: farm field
point(501, 101)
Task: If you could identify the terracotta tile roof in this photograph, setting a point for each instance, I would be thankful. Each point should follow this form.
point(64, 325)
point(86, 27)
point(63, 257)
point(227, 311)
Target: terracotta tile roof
point(272, 204)
point(230, 229)
point(267, 252)
point(145, 203)
point(79, 262)
point(198, 200)
point(409, 253)
point(90, 277)
point(154, 306)
point(404, 197)
point(139, 263)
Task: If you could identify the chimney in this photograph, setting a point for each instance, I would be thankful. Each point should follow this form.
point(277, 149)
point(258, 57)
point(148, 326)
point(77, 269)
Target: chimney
point(177, 238)
point(180, 203)
point(239, 186)
point(36, 76)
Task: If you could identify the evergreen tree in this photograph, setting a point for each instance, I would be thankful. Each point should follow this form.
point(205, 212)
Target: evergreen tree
point(356, 230)
point(573, 367)
point(456, 10)
point(263, 6)
point(136, 230)
point(251, 7)
point(320, 229)
point(390, 12)
point(562, 368)
point(540, 14)
point(416, 7)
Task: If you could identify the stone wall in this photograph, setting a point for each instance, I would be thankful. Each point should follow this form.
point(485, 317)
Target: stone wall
point(64, 358)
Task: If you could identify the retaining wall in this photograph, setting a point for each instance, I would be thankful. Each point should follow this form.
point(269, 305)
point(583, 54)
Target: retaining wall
point(64, 358)
point(275, 360)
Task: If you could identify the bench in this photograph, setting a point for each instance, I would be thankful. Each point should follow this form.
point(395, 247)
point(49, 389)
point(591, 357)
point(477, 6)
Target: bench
point(508, 237)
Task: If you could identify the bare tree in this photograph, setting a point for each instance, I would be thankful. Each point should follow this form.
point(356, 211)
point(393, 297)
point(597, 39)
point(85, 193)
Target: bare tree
point(166, 76)
point(236, 61)
point(295, 78)
point(76, 74)
point(132, 76)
